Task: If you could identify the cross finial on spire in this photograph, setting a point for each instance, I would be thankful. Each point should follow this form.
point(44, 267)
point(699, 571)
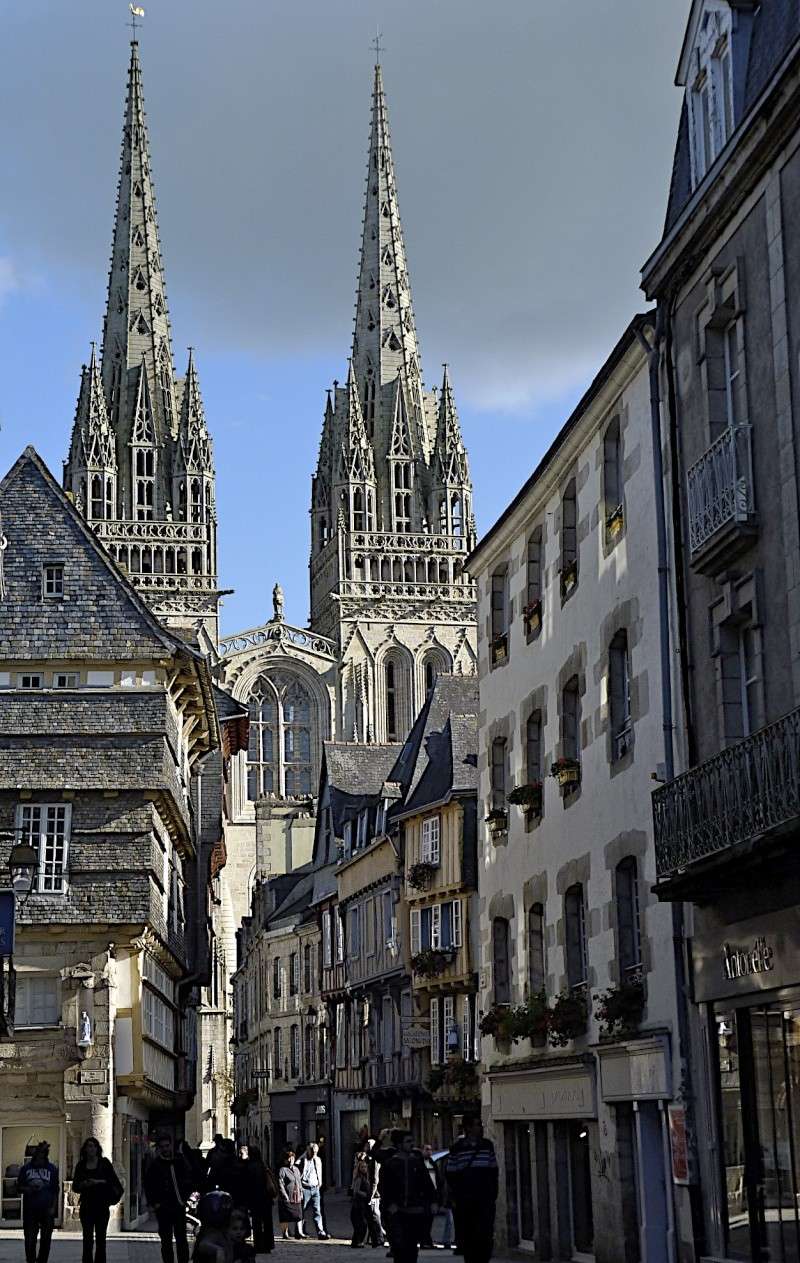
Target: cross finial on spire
point(376, 44)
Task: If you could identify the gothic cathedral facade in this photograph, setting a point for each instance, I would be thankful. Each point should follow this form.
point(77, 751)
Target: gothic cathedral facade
point(391, 524)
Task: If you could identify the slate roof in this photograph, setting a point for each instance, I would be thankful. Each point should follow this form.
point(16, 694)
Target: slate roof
point(441, 754)
point(358, 769)
point(776, 27)
point(291, 909)
point(101, 617)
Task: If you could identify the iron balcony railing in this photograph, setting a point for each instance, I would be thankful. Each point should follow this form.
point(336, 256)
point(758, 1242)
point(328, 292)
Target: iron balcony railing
point(745, 791)
point(720, 486)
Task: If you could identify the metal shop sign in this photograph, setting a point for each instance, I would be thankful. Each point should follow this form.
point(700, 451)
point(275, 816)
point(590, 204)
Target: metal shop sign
point(738, 957)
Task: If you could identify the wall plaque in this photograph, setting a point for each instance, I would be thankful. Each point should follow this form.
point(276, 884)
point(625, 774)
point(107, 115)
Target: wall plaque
point(566, 1093)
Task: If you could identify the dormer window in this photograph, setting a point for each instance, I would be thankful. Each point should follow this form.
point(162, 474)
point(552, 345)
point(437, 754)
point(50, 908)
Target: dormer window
point(710, 90)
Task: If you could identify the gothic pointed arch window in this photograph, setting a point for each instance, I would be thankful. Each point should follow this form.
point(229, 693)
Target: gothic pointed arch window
point(165, 381)
point(397, 695)
point(457, 515)
point(196, 490)
point(283, 737)
point(144, 484)
point(97, 497)
point(358, 509)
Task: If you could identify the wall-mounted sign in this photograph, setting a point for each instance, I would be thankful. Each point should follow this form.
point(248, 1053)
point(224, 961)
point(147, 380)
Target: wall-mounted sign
point(739, 963)
point(679, 1144)
point(416, 1036)
point(320, 1111)
point(732, 958)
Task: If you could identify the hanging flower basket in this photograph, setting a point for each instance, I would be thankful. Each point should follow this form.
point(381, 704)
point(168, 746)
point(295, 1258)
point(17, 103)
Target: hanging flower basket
point(615, 521)
point(420, 875)
point(568, 1018)
point(432, 961)
point(566, 771)
point(532, 614)
point(528, 796)
point(497, 821)
point(499, 648)
point(619, 1010)
point(569, 578)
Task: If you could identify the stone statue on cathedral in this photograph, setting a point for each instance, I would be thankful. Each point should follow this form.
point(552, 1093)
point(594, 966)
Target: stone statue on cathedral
point(277, 604)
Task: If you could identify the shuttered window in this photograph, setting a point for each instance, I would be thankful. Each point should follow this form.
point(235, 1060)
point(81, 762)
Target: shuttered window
point(449, 1027)
point(436, 1038)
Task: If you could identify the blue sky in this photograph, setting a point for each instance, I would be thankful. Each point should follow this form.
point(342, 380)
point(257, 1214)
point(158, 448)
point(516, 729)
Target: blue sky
point(532, 146)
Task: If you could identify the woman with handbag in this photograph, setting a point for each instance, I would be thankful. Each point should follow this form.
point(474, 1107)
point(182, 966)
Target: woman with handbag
point(290, 1196)
point(262, 1189)
point(99, 1187)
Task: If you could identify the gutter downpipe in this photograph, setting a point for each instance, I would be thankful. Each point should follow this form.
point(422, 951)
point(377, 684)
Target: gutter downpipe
point(678, 925)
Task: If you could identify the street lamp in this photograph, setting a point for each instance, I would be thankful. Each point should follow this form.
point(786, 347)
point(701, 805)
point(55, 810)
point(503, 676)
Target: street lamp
point(23, 863)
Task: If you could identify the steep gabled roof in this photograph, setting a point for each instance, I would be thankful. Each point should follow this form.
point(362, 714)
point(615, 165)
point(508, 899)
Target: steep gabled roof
point(440, 756)
point(101, 616)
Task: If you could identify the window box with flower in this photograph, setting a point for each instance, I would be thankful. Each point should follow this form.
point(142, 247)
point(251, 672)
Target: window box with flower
point(619, 1009)
point(528, 796)
point(615, 522)
point(497, 822)
point(420, 875)
point(566, 771)
point(532, 1020)
point(432, 961)
point(498, 648)
point(456, 1081)
point(532, 615)
point(568, 1018)
point(569, 578)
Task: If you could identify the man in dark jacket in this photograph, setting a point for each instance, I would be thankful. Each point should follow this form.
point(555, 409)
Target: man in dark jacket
point(38, 1184)
point(168, 1183)
point(407, 1198)
point(473, 1179)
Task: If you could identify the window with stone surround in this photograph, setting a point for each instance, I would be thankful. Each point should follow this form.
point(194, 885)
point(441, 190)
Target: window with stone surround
point(612, 476)
point(501, 960)
point(629, 933)
point(710, 89)
point(569, 539)
point(619, 695)
point(571, 720)
point(38, 1000)
point(499, 774)
point(575, 938)
point(536, 958)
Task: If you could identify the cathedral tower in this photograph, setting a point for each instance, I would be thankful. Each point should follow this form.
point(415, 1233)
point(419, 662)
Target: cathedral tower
point(140, 466)
point(391, 505)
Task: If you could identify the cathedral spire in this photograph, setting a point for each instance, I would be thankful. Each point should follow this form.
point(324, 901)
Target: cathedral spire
point(385, 338)
point(136, 327)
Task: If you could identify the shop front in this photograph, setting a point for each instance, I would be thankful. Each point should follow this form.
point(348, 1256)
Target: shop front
point(747, 977)
point(546, 1122)
point(18, 1136)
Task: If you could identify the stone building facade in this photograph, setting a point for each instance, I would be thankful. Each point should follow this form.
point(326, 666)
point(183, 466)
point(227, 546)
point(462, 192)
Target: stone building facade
point(109, 729)
point(726, 277)
point(581, 1035)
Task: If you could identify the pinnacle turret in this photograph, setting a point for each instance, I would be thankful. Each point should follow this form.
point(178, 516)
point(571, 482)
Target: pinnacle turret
point(92, 444)
point(136, 324)
point(194, 442)
point(358, 459)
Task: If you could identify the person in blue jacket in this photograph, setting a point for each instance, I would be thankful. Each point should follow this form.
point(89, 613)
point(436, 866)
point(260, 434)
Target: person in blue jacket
point(38, 1184)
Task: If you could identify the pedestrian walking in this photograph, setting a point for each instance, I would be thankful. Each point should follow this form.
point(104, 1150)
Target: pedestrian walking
point(214, 1161)
point(262, 1189)
point(310, 1168)
point(406, 1196)
point(99, 1187)
point(290, 1195)
point(362, 1213)
point(38, 1184)
point(168, 1183)
point(435, 1177)
point(473, 1178)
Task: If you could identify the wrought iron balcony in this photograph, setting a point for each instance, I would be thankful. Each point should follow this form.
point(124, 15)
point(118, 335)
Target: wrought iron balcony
point(742, 794)
point(721, 505)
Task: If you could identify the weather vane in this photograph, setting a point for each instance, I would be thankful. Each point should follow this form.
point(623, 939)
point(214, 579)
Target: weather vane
point(376, 44)
point(136, 12)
